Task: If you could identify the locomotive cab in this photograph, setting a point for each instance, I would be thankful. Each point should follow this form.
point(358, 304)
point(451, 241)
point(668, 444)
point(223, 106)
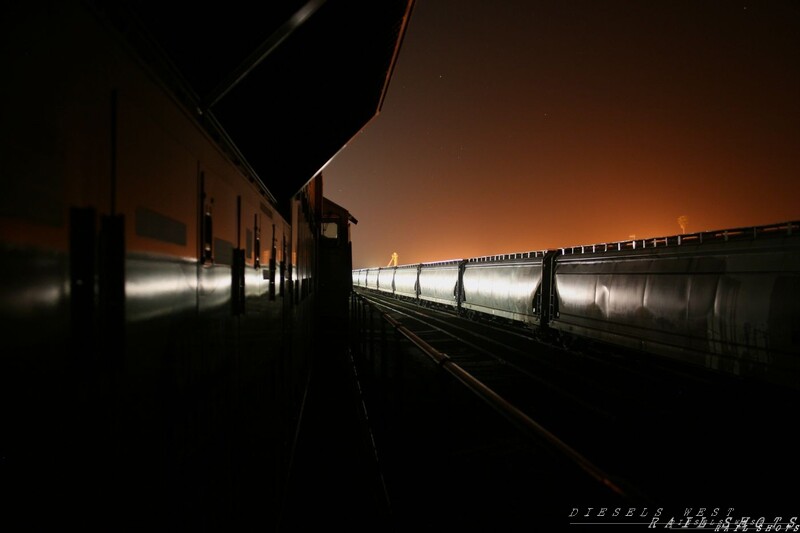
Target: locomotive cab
point(335, 265)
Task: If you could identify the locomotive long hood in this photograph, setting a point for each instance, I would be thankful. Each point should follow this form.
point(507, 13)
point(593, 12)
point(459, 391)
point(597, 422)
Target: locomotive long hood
point(289, 82)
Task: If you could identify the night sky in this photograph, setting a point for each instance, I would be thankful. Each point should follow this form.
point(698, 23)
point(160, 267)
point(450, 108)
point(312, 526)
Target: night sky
point(523, 125)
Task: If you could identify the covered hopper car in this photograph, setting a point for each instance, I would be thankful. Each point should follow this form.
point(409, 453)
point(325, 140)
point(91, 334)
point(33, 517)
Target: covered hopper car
point(727, 300)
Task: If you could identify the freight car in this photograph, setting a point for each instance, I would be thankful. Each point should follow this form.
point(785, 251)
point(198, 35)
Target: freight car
point(727, 300)
point(157, 298)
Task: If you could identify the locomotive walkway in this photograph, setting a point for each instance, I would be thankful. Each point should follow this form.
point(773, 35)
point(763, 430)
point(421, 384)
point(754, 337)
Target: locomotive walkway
point(334, 479)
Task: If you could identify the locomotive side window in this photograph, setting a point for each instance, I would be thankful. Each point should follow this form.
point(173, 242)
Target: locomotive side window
point(330, 230)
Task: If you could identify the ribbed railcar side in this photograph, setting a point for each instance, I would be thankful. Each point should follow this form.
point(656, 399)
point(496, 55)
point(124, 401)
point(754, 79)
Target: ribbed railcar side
point(386, 279)
point(729, 305)
point(506, 287)
point(356, 278)
point(405, 281)
point(371, 279)
point(438, 282)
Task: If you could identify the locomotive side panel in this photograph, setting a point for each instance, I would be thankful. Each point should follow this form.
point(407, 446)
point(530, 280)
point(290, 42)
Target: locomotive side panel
point(122, 332)
point(55, 160)
point(55, 156)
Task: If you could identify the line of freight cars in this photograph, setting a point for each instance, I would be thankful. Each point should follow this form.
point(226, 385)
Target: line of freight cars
point(728, 300)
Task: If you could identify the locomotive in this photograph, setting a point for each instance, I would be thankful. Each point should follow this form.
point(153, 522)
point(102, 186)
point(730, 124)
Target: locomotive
point(727, 300)
point(160, 250)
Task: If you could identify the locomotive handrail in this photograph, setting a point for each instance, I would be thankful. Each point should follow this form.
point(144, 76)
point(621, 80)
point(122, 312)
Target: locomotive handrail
point(508, 410)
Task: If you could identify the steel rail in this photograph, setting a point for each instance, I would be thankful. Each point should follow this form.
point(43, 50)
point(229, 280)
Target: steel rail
point(505, 408)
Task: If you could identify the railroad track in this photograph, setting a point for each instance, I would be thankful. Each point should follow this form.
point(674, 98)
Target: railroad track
point(661, 432)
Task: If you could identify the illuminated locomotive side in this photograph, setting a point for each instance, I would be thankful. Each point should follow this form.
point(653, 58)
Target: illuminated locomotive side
point(156, 300)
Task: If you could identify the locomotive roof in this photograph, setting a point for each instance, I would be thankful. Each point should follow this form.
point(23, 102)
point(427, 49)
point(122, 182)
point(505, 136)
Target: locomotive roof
point(289, 83)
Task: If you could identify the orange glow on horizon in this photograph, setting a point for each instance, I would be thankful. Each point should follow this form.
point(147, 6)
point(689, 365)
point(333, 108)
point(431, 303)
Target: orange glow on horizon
point(576, 124)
